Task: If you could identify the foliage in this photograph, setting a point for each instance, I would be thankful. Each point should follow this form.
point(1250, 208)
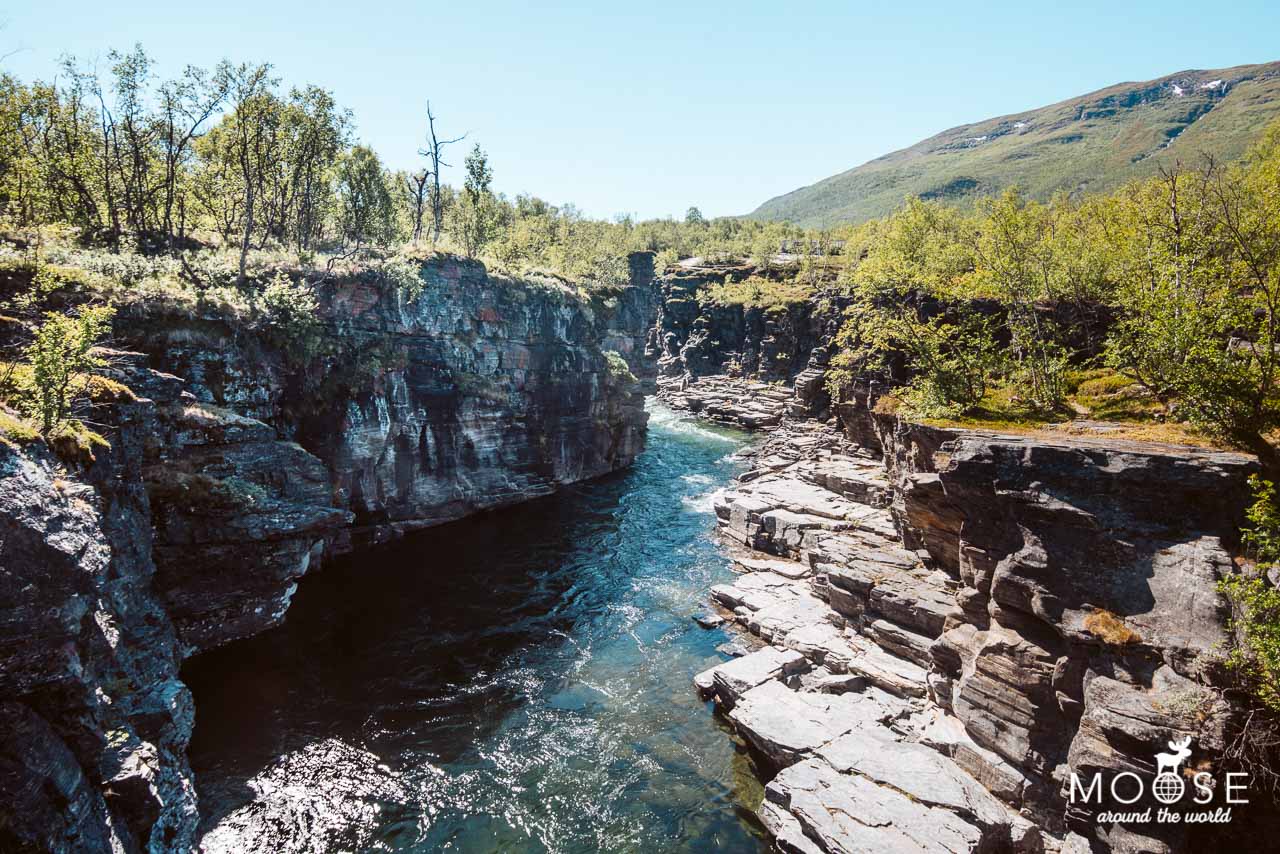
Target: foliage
point(366, 211)
point(62, 352)
point(1255, 655)
point(619, 370)
point(1187, 265)
point(1197, 280)
point(289, 316)
point(404, 274)
point(954, 361)
point(758, 292)
point(15, 429)
point(475, 218)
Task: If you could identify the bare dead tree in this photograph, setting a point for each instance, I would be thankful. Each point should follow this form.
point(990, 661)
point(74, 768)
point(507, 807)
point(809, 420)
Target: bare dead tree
point(416, 185)
point(433, 151)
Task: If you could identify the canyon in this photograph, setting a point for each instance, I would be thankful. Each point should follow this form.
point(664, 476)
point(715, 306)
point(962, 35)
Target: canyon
point(231, 473)
point(933, 628)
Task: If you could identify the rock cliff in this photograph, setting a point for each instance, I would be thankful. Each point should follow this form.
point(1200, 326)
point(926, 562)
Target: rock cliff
point(948, 624)
point(234, 467)
point(951, 625)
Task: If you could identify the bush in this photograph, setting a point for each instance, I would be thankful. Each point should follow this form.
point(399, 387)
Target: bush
point(953, 362)
point(1255, 603)
point(60, 354)
point(759, 292)
point(404, 274)
point(618, 368)
point(290, 316)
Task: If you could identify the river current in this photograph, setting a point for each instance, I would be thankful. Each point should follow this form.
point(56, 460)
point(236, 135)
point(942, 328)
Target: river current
point(525, 674)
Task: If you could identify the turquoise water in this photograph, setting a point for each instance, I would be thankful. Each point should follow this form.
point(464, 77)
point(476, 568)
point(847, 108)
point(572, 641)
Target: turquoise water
point(525, 673)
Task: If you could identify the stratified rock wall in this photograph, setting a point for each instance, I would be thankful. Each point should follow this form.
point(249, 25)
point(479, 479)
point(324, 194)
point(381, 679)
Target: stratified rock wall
point(698, 337)
point(988, 613)
point(234, 471)
point(480, 391)
point(94, 721)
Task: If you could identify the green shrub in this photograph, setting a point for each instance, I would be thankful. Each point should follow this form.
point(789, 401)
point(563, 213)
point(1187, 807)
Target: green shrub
point(60, 354)
point(290, 317)
point(759, 292)
point(1255, 603)
point(618, 368)
point(404, 274)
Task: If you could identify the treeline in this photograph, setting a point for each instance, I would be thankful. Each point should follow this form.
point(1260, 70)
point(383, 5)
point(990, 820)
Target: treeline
point(226, 157)
point(1173, 283)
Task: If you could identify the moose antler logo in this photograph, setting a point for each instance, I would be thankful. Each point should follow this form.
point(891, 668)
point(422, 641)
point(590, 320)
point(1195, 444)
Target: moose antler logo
point(1170, 761)
point(1168, 786)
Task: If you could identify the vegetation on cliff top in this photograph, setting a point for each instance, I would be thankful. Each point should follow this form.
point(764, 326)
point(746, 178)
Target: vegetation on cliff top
point(1168, 289)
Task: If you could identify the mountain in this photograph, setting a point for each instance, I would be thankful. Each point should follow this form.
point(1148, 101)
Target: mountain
point(1091, 143)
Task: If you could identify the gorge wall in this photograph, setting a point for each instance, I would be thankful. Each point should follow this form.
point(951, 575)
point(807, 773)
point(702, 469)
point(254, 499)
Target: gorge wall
point(943, 625)
point(234, 467)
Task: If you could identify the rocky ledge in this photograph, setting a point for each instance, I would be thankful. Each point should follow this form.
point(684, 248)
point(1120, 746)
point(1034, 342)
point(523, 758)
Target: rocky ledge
point(948, 625)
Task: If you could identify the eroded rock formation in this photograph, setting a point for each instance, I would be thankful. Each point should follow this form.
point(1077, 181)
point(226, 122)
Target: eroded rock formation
point(955, 625)
point(233, 469)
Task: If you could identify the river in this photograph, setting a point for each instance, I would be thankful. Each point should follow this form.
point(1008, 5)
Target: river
point(524, 675)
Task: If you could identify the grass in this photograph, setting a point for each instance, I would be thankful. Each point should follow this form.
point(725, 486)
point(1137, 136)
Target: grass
point(758, 292)
point(1110, 629)
point(1100, 404)
point(16, 430)
point(74, 440)
point(1095, 142)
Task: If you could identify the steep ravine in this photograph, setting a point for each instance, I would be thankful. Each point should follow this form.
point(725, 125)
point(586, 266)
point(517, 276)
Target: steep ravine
point(237, 469)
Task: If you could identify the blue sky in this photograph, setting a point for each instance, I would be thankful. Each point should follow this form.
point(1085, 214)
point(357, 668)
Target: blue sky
point(648, 108)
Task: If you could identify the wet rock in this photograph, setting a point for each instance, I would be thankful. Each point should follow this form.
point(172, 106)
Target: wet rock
point(732, 649)
point(326, 797)
point(709, 621)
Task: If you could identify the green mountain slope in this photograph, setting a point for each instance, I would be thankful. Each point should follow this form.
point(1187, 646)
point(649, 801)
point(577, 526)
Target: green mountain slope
point(1091, 143)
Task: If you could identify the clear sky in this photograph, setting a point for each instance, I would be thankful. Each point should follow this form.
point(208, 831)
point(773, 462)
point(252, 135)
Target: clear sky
point(650, 107)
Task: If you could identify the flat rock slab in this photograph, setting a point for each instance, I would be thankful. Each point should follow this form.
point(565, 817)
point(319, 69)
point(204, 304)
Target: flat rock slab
point(823, 644)
point(784, 724)
point(731, 680)
point(786, 568)
point(848, 812)
point(915, 770)
point(779, 619)
point(886, 671)
point(802, 497)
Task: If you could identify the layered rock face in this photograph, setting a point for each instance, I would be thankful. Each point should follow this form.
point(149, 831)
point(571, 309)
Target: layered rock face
point(479, 392)
point(232, 473)
point(697, 338)
point(94, 720)
point(946, 632)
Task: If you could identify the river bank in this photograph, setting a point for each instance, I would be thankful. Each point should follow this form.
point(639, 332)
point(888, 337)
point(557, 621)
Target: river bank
point(929, 616)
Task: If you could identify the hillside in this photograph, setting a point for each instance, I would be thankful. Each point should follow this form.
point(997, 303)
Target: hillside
point(1094, 142)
